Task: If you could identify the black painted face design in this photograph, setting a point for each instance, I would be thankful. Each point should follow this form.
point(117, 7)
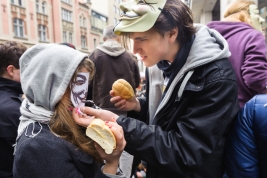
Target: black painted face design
point(79, 89)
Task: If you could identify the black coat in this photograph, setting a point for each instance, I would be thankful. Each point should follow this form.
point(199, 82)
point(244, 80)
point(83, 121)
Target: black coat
point(187, 138)
point(48, 156)
point(10, 102)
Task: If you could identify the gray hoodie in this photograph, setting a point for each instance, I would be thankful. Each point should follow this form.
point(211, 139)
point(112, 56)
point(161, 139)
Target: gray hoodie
point(111, 47)
point(45, 81)
point(208, 46)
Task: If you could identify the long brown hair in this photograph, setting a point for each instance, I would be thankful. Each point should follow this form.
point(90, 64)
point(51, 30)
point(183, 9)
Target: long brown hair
point(62, 123)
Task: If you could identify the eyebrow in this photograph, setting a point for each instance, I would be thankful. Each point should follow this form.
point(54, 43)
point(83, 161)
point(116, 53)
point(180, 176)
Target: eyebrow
point(81, 76)
point(139, 38)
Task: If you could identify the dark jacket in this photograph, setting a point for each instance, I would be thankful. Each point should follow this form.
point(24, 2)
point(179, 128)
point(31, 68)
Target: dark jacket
point(10, 102)
point(187, 135)
point(59, 157)
point(112, 62)
point(249, 57)
point(246, 150)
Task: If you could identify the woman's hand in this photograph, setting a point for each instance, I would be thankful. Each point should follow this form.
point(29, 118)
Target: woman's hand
point(112, 160)
point(125, 105)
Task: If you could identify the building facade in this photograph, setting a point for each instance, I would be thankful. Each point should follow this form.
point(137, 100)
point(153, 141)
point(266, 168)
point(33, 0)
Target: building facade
point(51, 21)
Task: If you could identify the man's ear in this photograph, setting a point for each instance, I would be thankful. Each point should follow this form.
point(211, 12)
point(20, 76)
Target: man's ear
point(173, 34)
point(10, 71)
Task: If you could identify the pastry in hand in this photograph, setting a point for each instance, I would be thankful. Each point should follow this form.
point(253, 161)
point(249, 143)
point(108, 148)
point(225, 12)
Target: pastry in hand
point(101, 134)
point(123, 89)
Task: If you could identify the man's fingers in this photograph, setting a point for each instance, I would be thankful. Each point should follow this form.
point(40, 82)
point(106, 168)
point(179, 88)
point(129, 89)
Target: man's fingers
point(90, 111)
point(117, 130)
point(81, 119)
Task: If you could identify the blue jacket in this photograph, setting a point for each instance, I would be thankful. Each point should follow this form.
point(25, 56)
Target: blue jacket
point(246, 152)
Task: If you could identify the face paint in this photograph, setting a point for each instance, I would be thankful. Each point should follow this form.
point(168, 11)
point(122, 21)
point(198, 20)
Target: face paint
point(256, 19)
point(79, 89)
point(138, 15)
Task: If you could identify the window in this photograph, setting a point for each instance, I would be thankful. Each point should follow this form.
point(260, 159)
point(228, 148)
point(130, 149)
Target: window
point(81, 23)
point(115, 21)
point(17, 2)
point(119, 11)
point(64, 36)
point(18, 27)
point(43, 7)
point(37, 5)
point(84, 22)
point(114, 9)
point(262, 10)
point(94, 43)
point(66, 1)
point(66, 15)
point(70, 37)
point(83, 41)
point(42, 33)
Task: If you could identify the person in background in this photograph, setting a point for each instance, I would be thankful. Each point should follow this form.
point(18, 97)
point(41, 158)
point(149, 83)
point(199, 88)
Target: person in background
point(10, 101)
point(68, 44)
point(186, 136)
point(49, 142)
point(241, 27)
point(113, 62)
point(246, 147)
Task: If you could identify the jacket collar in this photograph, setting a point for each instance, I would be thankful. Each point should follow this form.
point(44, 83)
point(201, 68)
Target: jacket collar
point(10, 85)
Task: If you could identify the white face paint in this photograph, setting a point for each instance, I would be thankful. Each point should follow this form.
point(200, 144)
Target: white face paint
point(79, 89)
point(256, 19)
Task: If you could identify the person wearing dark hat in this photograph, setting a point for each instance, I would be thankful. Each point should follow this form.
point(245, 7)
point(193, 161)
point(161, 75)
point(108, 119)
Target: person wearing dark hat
point(68, 44)
point(187, 133)
point(10, 101)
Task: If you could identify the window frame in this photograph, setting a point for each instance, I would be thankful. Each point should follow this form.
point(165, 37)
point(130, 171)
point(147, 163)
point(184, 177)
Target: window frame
point(42, 32)
point(18, 25)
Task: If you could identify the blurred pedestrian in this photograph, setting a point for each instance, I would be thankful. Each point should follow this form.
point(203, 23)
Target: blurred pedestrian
point(246, 154)
point(113, 62)
point(49, 142)
point(68, 44)
point(10, 101)
point(241, 27)
point(187, 134)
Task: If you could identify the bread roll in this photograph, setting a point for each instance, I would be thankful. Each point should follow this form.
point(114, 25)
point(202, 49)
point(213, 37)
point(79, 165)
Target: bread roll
point(101, 134)
point(123, 89)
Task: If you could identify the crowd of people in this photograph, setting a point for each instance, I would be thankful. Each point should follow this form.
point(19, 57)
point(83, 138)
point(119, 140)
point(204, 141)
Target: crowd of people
point(202, 113)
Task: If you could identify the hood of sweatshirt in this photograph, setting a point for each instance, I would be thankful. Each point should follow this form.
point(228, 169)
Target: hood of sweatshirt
point(228, 29)
point(111, 48)
point(208, 46)
point(46, 71)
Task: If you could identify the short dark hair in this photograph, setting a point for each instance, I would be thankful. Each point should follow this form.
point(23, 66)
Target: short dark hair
point(10, 52)
point(176, 14)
